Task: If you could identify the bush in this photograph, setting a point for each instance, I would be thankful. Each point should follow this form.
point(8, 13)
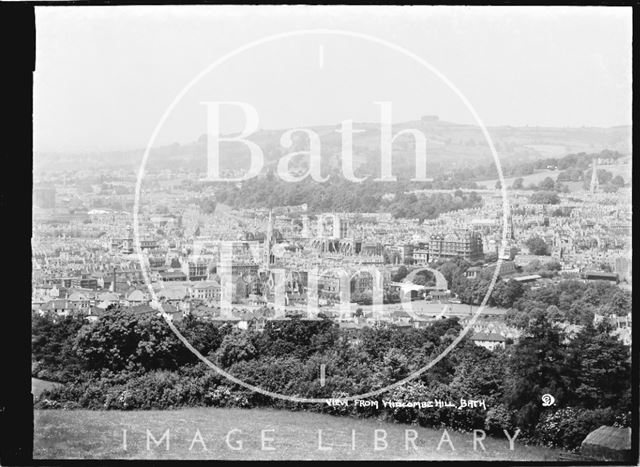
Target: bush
point(466, 419)
point(544, 197)
point(153, 390)
point(499, 418)
point(623, 420)
point(567, 428)
point(224, 396)
point(413, 391)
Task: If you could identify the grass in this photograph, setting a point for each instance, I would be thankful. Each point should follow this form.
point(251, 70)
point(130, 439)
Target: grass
point(39, 385)
point(623, 170)
point(84, 434)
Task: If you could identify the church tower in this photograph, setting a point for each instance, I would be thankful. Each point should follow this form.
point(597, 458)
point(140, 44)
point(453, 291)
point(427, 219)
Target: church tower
point(306, 231)
point(505, 250)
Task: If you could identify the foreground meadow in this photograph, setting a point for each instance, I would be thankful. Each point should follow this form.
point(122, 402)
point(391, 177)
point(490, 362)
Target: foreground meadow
point(238, 434)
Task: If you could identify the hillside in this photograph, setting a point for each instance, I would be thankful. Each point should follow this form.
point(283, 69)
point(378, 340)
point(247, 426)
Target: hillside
point(450, 146)
point(623, 170)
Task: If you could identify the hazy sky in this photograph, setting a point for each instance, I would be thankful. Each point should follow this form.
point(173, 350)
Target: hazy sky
point(105, 75)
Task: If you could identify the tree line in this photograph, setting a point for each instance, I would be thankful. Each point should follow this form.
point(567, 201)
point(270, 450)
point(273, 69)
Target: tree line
point(340, 195)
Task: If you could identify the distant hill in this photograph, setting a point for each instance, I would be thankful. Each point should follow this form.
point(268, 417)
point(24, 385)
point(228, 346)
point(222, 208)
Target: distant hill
point(450, 146)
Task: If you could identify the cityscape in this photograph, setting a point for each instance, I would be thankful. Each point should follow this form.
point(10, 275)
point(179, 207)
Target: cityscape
point(331, 233)
point(85, 260)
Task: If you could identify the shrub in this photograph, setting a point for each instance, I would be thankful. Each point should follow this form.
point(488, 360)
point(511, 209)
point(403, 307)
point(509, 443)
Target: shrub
point(153, 390)
point(567, 428)
point(623, 420)
point(499, 418)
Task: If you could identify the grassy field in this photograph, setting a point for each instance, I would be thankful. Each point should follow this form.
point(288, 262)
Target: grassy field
point(39, 385)
point(623, 170)
point(80, 434)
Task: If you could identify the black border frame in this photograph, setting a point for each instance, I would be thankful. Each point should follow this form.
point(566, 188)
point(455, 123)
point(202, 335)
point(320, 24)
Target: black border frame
point(17, 49)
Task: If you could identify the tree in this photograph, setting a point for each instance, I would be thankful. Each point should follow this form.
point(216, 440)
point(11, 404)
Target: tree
point(395, 365)
point(236, 347)
point(532, 267)
point(617, 181)
point(554, 313)
point(552, 266)
point(570, 175)
point(518, 184)
point(453, 271)
point(295, 337)
point(547, 184)
point(561, 212)
point(537, 246)
point(208, 205)
point(498, 185)
point(600, 369)
point(205, 336)
point(536, 367)
point(400, 274)
point(544, 197)
point(363, 298)
point(126, 341)
point(478, 371)
point(426, 278)
point(505, 294)
point(52, 346)
point(474, 295)
point(619, 301)
point(561, 187)
point(604, 176)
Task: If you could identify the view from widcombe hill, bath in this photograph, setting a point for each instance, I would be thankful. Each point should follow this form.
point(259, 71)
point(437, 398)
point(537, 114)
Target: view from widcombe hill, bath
point(332, 233)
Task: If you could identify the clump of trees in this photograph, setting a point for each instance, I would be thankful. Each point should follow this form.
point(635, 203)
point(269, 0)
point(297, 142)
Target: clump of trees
point(544, 197)
point(579, 375)
point(409, 205)
point(425, 278)
point(400, 274)
point(537, 246)
point(568, 300)
point(207, 205)
point(339, 195)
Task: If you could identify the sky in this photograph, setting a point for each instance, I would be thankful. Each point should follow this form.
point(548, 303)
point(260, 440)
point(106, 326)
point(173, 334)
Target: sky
point(106, 76)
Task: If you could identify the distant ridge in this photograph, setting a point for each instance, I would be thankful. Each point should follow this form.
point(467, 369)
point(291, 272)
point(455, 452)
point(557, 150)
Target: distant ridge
point(449, 145)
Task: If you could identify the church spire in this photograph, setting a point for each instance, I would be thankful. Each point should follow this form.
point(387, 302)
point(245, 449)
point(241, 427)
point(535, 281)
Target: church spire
point(268, 241)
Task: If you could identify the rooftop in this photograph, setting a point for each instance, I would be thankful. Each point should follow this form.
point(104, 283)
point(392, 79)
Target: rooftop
point(488, 337)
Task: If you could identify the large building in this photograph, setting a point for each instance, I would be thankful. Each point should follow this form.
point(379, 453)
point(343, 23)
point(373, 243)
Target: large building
point(195, 270)
point(334, 238)
point(126, 244)
point(465, 244)
point(206, 290)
